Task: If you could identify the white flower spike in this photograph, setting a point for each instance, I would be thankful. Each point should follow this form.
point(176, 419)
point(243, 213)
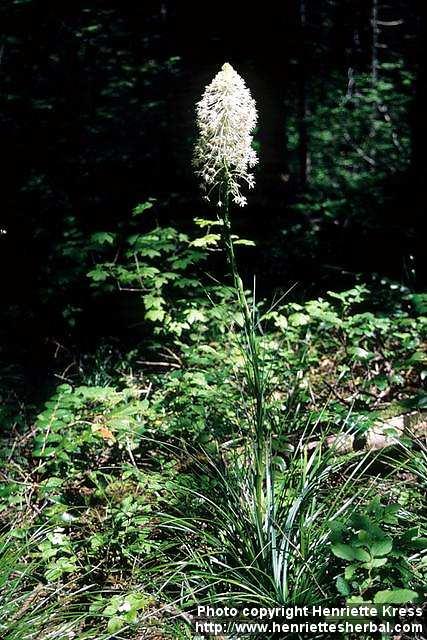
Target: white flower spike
point(223, 155)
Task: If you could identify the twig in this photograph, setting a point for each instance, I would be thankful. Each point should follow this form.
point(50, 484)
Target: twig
point(332, 389)
point(150, 363)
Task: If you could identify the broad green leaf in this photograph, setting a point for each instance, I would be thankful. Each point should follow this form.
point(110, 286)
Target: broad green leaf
point(194, 315)
point(115, 624)
point(98, 274)
point(140, 208)
point(202, 223)
point(378, 562)
point(395, 596)
point(343, 551)
point(350, 571)
point(298, 319)
point(361, 554)
point(103, 237)
point(342, 586)
point(208, 240)
point(381, 547)
point(246, 243)
point(156, 315)
point(153, 302)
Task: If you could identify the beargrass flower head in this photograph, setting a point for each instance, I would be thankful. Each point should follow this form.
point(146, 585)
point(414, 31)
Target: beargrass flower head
point(223, 155)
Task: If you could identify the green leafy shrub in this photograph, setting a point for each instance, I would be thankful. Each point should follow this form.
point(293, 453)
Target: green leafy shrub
point(384, 564)
point(348, 350)
point(79, 425)
point(158, 265)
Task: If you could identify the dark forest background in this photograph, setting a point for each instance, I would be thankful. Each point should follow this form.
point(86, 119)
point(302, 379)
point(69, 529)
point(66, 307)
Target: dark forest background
point(97, 115)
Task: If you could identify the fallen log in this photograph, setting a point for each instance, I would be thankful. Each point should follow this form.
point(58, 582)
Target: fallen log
point(383, 433)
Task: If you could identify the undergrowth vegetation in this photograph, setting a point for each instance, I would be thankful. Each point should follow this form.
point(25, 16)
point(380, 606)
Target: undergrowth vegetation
point(244, 452)
point(128, 499)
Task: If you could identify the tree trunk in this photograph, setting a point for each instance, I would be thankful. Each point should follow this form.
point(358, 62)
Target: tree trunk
point(302, 99)
point(375, 37)
point(418, 172)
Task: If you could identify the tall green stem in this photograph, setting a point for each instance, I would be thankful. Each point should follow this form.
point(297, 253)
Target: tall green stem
point(256, 378)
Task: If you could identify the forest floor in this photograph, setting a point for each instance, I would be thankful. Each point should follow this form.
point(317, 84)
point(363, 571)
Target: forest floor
point(111, 497)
